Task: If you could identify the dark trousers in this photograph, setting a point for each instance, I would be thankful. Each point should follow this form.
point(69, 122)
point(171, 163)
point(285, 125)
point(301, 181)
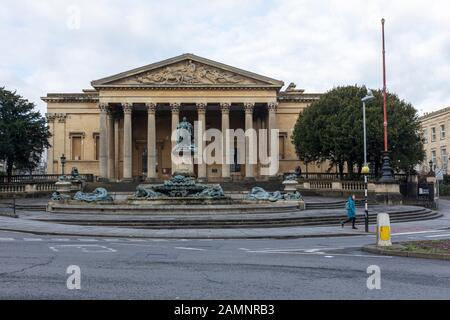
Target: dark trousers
point(353, 220)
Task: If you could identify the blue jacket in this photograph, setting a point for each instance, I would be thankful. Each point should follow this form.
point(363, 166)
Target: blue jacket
point(351, 209)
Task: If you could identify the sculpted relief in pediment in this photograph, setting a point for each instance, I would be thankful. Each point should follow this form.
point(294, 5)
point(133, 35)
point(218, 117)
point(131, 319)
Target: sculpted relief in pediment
point(189, 72)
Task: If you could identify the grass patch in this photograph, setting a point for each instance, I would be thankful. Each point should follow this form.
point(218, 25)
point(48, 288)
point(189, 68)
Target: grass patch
point(427, 246)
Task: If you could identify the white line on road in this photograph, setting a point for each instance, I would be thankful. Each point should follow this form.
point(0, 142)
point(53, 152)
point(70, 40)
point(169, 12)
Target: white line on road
point(32, 239)
point(186, 248)
point(137, 240)
point(87, 248)
point(438, 235)
point(415, 232)
point(112, 240)
point(60, 239)
point(87, 240)
point(6, 239)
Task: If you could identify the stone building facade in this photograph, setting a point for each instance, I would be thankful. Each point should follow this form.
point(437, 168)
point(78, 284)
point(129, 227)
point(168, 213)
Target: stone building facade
point(121, 128)
point(436, 135)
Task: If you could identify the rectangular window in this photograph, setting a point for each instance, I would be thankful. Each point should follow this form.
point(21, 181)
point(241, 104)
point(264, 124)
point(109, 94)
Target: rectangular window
point(76, 148)
point(442, 131)
point(433, 134)
point(281, 151)
point(444, 158)
point(433, 156)
point(96, 146)
point(425, 135)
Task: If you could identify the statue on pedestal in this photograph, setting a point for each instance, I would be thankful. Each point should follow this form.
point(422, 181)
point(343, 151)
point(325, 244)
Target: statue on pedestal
point(182, 155)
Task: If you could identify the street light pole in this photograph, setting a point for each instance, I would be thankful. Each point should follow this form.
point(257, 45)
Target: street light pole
point(365, 169)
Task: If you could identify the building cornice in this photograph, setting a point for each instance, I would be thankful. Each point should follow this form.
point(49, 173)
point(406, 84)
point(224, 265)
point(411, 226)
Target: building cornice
point(433, 114)
point(70, 97)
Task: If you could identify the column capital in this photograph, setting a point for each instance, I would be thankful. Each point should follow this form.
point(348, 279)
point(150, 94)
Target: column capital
point(103, 107)
point(272, 106)
point(225, 107)
point(127, 107)
point(201, 107)
point(50, 117)
point(175, 107)
point(248, 107)
point(151, 107)
point(61, 117)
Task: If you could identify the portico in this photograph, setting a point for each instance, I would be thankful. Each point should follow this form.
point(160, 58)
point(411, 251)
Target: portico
point(144, 141)
point(121, 129)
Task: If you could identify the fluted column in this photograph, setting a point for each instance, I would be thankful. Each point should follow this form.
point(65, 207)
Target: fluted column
point(111, 162)
point(116, 149)
point(201, 111)
point(103, 141)
point(249, 175)
point(175, 109)
point(272, 123)
point(225, 110)
point(50, 150)
point(151, 141)
point(127, 142)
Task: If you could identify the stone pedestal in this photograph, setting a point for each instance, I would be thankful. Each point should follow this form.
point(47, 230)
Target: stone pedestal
point(290, 185)
point(388, 193)
point(64, 187)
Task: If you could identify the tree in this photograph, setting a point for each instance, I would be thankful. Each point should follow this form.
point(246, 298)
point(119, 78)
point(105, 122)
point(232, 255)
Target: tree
point(331, 129)
point(23, 132)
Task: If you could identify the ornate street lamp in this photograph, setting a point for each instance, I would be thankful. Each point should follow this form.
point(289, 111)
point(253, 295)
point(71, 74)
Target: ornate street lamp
point(387, 171)
point(63, 162)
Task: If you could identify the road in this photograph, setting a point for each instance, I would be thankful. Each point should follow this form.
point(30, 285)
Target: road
point(34, 267)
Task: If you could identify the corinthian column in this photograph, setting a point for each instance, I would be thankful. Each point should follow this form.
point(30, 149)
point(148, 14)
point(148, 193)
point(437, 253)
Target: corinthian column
point(151, 142)
point(226, 148)
point(201, 111)
point(103, 140)
point(175, 109)
point(111, 162)
point(249, 147)
point(127, 142)
point(272, 122)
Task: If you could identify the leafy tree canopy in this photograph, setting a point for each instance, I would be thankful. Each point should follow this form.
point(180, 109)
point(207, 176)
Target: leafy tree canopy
point(23, 132)
point(332, 129)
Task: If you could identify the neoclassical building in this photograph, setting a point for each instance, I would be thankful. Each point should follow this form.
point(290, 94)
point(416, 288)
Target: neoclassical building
point(121, 128)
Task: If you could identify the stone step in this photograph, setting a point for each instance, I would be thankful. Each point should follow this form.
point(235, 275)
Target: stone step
point(249, 222)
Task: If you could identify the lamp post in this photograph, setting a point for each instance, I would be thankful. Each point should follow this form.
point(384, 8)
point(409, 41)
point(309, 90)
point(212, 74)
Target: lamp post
point(365, 170)
point(387, 171)
point(63, 162)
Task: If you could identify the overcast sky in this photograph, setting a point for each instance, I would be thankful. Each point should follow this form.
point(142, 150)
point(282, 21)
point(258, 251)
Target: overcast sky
point(316, 44)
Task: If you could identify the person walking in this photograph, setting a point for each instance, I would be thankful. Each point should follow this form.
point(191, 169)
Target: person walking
point(351, 211)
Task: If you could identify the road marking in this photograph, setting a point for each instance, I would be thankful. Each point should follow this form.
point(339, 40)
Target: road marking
point(32, 239)
point(415, 232)
point(328, 256)
point(322, 254)
point(112, 240)
point(86, 248)
point(186, 248)
point(60, 239)
point(6, 239)
point(87, 240)
point(137, 240)
point(438, 235)
point(314, 250)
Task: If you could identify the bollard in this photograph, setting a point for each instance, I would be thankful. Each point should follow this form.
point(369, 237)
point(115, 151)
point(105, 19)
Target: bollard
point(383, 230)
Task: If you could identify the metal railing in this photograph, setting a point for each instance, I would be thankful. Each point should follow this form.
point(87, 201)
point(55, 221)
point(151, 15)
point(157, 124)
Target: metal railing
point(320, 176)
point(39, 178)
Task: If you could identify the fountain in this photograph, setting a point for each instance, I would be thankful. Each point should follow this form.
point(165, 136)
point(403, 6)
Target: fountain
point(181, 193)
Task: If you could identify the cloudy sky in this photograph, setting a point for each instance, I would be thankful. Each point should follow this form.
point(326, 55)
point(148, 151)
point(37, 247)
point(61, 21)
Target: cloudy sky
point(60, 46)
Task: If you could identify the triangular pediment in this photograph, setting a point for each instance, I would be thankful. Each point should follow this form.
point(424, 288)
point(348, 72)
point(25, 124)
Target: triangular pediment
point(187, 70)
